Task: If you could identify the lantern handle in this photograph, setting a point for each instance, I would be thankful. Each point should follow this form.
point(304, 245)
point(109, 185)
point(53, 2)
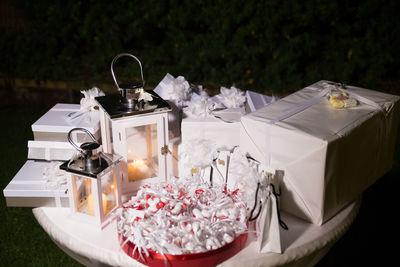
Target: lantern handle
point(123, 55)
point(75, 145)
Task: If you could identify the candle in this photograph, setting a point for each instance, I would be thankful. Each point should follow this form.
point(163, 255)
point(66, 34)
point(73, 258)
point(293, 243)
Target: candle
point(138, 170)
point(90, 204)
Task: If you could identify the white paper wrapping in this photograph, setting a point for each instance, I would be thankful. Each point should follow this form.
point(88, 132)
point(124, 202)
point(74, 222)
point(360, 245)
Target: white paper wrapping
point(30, 187)
point(256, 100)
point(54, 125)
point(224, 134)
point(329, 156)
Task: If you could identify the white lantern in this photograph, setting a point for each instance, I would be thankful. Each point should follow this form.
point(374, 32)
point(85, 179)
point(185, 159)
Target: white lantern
point(134, 124)
point(93, 183)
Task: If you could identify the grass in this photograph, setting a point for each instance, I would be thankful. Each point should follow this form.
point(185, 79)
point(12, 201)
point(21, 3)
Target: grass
point(24, 242)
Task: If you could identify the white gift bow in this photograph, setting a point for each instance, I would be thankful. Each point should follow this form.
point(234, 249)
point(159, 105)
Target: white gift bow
point(54, 179)
point(88, 106)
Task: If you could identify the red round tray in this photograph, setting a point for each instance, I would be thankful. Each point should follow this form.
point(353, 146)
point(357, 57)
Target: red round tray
point(209, 258)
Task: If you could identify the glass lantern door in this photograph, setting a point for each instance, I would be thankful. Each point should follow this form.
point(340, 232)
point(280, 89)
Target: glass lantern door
point(142, 152)
point(109, 192)
point(82, 192)
point(139, 140)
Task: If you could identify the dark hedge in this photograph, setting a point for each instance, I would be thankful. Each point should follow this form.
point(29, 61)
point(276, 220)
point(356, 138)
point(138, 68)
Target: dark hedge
point(274, 45)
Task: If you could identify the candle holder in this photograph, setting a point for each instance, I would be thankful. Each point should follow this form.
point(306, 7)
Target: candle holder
point(94, 181)
point(134, 124)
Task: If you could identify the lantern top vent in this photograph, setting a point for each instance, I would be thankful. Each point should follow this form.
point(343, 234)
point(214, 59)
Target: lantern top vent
point(130, 101)
point(89, 161)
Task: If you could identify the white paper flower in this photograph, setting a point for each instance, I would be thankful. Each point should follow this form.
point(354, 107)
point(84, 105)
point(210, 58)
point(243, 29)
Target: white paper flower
point(231, 98)
point(201, 92)
point(88, 102)
point(198, 153)
point(54, 176)
point(200, 107)
point(145, 96)
point(180, 90)
point(243, 174)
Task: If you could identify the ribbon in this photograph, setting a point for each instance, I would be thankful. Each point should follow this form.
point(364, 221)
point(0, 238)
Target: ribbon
point(308, 103)
point(343, 88)
point(276, 195)
point(281, 222)
point(251, 218)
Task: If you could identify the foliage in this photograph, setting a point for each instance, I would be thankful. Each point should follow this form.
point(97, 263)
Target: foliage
point(260, 45)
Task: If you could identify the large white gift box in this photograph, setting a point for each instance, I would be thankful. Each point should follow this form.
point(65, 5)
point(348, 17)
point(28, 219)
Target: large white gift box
point(330, 156)
point(28, 188)
point(50, 132)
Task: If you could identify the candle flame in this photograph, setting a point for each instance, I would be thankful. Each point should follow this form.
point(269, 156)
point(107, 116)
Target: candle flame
point(137, 162)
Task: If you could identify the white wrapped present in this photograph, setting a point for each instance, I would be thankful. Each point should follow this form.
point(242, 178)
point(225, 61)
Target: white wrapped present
point(217, 118)
point(330, 156)
point(38, 184)
point(223, 127)
point(55, 124)
point(50, 131)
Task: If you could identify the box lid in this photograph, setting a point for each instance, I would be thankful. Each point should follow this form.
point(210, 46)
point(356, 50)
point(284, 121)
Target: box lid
point(319, 120)
point(56, 120)
point(29, 182)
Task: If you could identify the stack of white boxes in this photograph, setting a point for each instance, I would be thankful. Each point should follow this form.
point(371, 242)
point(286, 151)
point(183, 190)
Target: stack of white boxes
point(29, 188)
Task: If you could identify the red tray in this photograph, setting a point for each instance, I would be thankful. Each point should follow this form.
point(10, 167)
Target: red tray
point(209, 258)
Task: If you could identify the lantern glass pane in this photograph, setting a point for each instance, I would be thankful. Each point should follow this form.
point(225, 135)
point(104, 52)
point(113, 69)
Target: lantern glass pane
point(109, 191)
point(142, 152)
point(84, 201)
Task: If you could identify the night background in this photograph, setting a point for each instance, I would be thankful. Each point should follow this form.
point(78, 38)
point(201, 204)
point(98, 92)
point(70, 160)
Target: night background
point(50, 50)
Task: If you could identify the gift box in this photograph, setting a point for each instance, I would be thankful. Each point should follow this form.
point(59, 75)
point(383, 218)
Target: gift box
point(55, 124)
point(50, 132)
point(223, 127)
point(50, 150)
point(330, 156)
point(28, 188)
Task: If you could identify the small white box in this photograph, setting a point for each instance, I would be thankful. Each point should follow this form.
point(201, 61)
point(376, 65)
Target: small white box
point(54, 124)
point(223, 129)
point(44, 150)
point(330, 156)
point(28, 188)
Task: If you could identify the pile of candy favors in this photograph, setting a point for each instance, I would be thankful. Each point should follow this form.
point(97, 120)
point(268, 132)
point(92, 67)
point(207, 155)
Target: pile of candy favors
point(181, 217)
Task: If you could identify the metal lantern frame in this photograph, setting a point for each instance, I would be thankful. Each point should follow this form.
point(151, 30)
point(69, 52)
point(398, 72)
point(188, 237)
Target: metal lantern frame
point(90, 171)
point(120, 113)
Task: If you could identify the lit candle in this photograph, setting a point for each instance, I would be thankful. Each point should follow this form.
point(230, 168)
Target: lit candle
point(90, 203)
point(138, 170)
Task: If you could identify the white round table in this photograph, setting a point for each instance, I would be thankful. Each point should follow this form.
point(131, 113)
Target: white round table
point(304, 244)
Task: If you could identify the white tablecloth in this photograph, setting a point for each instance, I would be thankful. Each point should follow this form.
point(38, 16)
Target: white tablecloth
point(304, 244)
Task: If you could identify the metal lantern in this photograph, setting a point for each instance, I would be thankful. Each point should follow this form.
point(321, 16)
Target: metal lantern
point(136, 128)
point(94, 181)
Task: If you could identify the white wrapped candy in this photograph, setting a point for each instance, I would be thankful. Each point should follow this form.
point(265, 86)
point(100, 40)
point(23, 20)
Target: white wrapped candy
point(179, 218)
